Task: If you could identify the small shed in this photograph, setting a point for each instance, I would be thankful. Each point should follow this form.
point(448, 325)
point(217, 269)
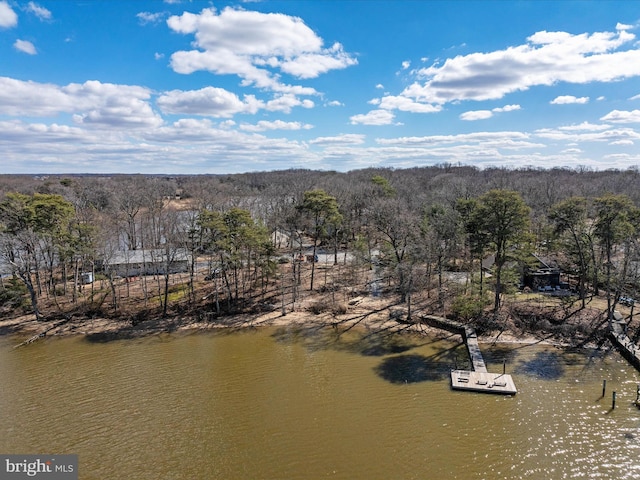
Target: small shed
point(86, 278)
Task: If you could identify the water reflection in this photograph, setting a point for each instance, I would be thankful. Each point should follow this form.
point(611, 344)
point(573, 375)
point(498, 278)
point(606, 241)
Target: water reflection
point(412, 369)
point(547, 365)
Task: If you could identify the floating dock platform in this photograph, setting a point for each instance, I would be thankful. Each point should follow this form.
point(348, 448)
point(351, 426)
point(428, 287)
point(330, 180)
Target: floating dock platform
point(483, 382)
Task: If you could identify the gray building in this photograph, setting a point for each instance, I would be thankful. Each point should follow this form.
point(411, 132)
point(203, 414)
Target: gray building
point(130, 263)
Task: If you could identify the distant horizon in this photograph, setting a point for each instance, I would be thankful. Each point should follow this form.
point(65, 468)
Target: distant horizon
point(577, 169)
point(231, 87)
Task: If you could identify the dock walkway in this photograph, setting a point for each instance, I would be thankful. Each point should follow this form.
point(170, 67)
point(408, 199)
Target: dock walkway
point(473, 348)
point(478, 379)
point(622, 342)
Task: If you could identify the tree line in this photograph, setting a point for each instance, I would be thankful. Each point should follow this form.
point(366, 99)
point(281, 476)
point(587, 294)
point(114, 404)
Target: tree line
point(248, 232)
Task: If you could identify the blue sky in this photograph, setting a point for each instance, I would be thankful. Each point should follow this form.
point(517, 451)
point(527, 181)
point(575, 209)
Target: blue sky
point(226, 87)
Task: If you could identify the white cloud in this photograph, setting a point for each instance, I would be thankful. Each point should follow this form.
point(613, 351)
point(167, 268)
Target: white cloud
point(476, 115)
point(39, 11)
point(255, 46)
point(484, 138)
point(621, 116)
point(344, 139)
point(585, 126)
point(335, 103)
point(158, 56)
point(405, 104)
point(8, 18)
point(212, 101)
point(506, 108)
point(187, 144)
point(311, 65)
point(569, 99)
point(374, 117)
point(264, 125)
point(635, 97)
point(547, 58)
point(25, 46)
point(623, 142)
point(148, 17)
point(577, 136)
point(379, 86)
point(406, 64)
point(286, 102)
point(91, 103)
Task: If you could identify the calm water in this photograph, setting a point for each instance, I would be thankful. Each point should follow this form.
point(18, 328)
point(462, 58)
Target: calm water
point(292, 404)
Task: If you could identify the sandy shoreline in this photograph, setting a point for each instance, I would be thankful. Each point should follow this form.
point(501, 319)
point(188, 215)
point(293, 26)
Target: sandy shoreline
point(369, 315)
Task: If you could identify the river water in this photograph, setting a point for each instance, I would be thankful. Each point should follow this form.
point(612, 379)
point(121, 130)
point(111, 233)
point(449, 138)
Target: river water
point(291, 403)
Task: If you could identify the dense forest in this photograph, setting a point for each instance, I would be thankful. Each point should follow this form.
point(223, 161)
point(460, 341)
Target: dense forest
point(458, 236)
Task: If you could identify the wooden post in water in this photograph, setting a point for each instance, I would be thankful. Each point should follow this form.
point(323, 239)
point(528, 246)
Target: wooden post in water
point(504, 366)
point(604, 387)
point(613, 401)
point(638, 396)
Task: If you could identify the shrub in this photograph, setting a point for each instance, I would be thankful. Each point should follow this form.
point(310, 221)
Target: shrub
point(13, 294)
point(339, 309)
point(469, 307)
point(317, 308)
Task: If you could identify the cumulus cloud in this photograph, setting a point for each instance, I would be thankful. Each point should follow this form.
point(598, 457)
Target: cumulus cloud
point(255, 46)
point(286, 102)
point(405, 104)
point(212, 101)
point(506, 108)
point(91, 103)
point(374, 117)
point(547, 58)
point(484, 114)
point(568, 99)
point(8, 18)
point(41, 12)
point(622, 116)
point(476, 115)
point(25, 46)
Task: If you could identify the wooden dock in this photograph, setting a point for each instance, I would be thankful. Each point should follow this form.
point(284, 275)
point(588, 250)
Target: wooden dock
point(478, 379)
point(622, 342)
point(483, 382)
point(471, 339)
